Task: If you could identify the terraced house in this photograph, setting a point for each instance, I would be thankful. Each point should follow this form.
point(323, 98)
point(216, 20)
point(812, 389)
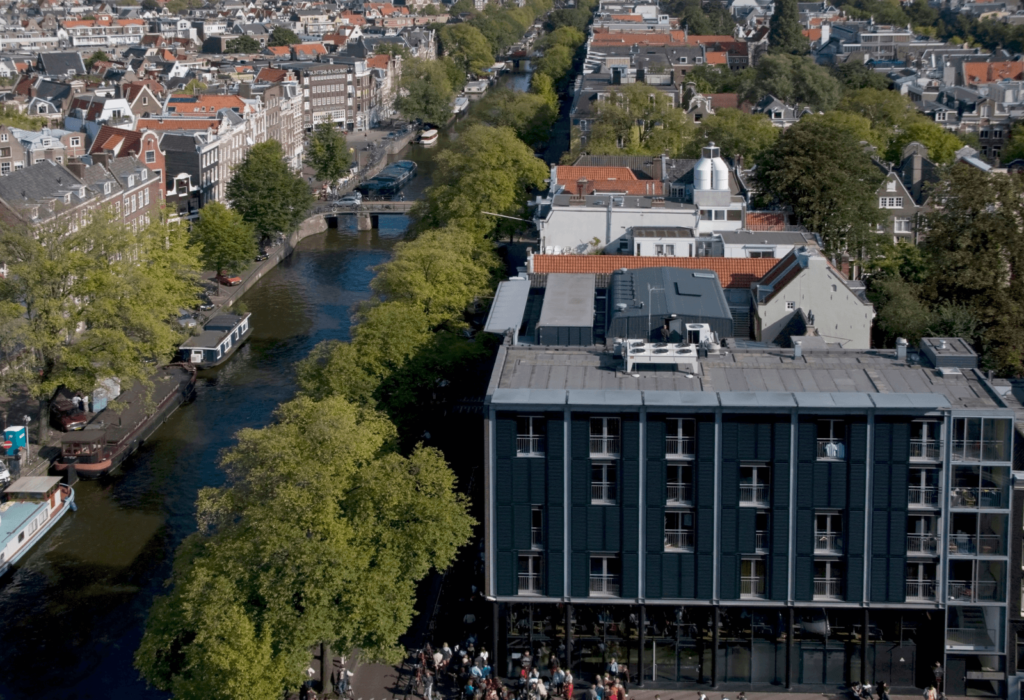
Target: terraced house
point(717, 513)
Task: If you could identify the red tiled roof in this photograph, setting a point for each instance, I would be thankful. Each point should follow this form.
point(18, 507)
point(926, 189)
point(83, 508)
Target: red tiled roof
point(766, 221)
point(121, 141)
point(606, 179)
point(813, 34)
point(737, 273)
point(272, 75)
point(628, 18)
point(378, 61)
point(572, 173)
point(725, 100)
point(178, 124)
point(279, 50)
point(717, 58)
point(978, 73)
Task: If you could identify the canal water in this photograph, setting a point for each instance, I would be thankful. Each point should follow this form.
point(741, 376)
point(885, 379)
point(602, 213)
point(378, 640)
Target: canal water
point(73, 612)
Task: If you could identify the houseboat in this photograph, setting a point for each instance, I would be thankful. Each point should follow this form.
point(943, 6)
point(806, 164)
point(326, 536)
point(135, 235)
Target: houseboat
point(218, 341)
point(428, 137)
point(461, 102)
point(116, 432)
point(389, 181)
point(476, 87)
point(29, 508)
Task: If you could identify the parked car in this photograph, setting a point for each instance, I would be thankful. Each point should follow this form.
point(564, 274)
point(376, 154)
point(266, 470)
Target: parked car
point(228, 280)
point(66, 415)
point(262, 255)
point(186, 319)
point(205, 303)
point(350, 200)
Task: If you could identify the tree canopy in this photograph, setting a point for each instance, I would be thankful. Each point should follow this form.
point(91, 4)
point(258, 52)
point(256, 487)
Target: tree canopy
point(530, 115)
point(426, 93)
point(242, 44)
point(637, 120)
point(736, 133)
point(267, 193)
point(328, 152)
point(785, 33)
point(283, 36)
point(794, 80)
point(226, 242)
point(467, 46)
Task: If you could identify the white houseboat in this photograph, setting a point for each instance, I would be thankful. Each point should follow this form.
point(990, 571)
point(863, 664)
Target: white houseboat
point(218, 341)
point(30, 507)
point(428, 137)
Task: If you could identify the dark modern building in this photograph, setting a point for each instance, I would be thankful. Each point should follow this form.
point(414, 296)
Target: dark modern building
point(753, 517)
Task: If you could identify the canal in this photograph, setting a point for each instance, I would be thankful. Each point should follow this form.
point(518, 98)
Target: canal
point(72, 613)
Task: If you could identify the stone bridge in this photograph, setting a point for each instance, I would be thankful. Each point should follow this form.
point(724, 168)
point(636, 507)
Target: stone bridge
point(367, 214)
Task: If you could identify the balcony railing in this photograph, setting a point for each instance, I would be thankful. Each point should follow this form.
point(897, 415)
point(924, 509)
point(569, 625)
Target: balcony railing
point(536, 537)
point(604, 585)
point(828, 542)
point(761, 540)
point(679, 493)
point(604, 446)
point(972, 591)
point(529, 584)
point(752, 586)
point(976, 450)
point(926, 450)
point(922, 544)
point(529, 445)
point(970, 637)
point(828, 589)
point(602, 492)
point(754, 494)
point(679, 539)
point(921, 590)
point(829, 449)
point(680, 447)
point(927, 496)
point(975, 544)
point(971, 497)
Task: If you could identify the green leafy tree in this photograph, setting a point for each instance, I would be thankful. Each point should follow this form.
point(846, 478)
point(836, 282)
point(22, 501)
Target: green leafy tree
point(242, 44)
point(702, 18)
point(556, 63)
point(502, 170)
point(94, 57)
point(853, 124)
point(267, 193)
point(227, 243)
point(426, 92)
point(283, 36)
point(824, 174)
point(792, 79)
point(328, 153)
point(541, 84)
point(1015, 145)
point(10, 116)
point(901, 312)
point(856, 76)
point(715, 79)
point(888, 110)
point(563, 36)
point(785, 34)
point(736, 133)
point(530, 115)
point(456, 75)
point(467, 46)
point(637, 120)
point(942, 144)
point(193, 87)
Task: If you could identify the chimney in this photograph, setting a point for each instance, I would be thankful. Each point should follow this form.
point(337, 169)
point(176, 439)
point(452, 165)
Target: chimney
point(798, 351)
point(901, 349)
point(581, 184)
point(77, 168)
point(844, 265)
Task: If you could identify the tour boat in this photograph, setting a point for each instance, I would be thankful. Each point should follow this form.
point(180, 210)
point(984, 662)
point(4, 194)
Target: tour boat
point(428, 137)
point(112, 435)
point(221, 336)
point(29, 508)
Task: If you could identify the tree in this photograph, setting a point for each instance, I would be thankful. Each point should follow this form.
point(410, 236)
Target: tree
point(487, 169)
point(901, 313)
point(262, 580)
point(824, 174)
point(242, 44)
point(10, 116)
point(456, 75)
point(555, 63)
point(785, 34)
point(283, 36)
point(328, 153)
point(637, 120)
point(1015, 145)
point(227, 243)
point(792, 79)
point(855, 76)
point(96, 56)
point(467, 46)
point(700, 18)
point(267, 193)
point(425, 92)
point(942, 144)
point(563, 36)
point(530, 115)
point(853, 124)
point(541, 84)
point(193, 87)
point(736, 133)
point(888, 110)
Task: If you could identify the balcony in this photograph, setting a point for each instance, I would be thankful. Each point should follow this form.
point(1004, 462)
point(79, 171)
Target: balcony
point(975, 544)
point(923, 497)
point(752, 587)
point(926, 450)
point(679, 539)
point(970, 497)
point(680, 448)
point(529, 584)
point(605, 585)
point(923, 544)
point(920, 590)
point(679, 493)
point(828, 589)
point(602, 493)
point(973, 591)
point(976, 450)
point(604, 446)
point(828, 543)
point(761, 541)
point(529, 446)
point(830, 450)
point(974, 637)
point(753, 494)
point(536, 537)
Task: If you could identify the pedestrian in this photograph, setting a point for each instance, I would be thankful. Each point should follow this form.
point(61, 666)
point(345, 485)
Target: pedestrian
point(883, 691)
point(568, 685)
point(527, 661)
point(613, 668)
point(310, 673)
point(428, 686)
point(438, 657)
point(930, 694)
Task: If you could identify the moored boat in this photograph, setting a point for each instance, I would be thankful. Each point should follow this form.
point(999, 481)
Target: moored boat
point(428, 137)
point(218, 341)
point(112, 436)
point(29, 508)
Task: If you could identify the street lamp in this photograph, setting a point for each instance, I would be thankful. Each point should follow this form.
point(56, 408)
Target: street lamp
point(649, 290)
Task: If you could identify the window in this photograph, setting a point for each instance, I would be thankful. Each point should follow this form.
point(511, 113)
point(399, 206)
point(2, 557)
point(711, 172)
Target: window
point(529, 574)
point(890, 202)
point(145, 193)
point(761, 531)
point(719, 214)
point(150, 156)
point(679, 530)
point(697, 117)
point(901, 225)
point(680, 438)
point(925, 444)
point(828, 584)
point(790, 305)
point(605, 571)
point(754, 480)
point(975, 439)
point(604, 437)
point(3, 138)
point(145, 100)
point(529, 436)
point(5, 168)
point(984, 133)
point(761, 253)
point(5, 152)
point(602, 484)
point(828, 533)
point(752, 578)
point(537, 527)
point(679, 483)
point(831, 440)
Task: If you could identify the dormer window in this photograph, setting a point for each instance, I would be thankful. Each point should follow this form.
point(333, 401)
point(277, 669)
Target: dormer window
point(131, 181)
point(67, 198)
point(35, 212)
point(142, 175)
point(890, 186)
point(106, 188)
point(81, 192)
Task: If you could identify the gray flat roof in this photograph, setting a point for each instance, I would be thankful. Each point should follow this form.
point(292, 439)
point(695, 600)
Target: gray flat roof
point(508, 307)
point(33, 484)
point(568, 301)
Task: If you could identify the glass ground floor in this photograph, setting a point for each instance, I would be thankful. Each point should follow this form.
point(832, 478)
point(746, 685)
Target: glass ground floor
point(807, 649)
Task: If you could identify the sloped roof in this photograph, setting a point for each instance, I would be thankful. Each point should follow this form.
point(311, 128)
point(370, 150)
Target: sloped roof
point(735, 273)
point(978, 73)
point(766, 221)
point(271, 75)
point(62, 63)
point(120, 141)
point(179, 124)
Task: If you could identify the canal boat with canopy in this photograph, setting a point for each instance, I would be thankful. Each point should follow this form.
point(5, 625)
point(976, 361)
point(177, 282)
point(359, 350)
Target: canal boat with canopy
point(28, 509)
point(218, 341)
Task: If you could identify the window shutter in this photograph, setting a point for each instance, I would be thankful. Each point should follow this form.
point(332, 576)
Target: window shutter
point(521, 515)
point(579, 575)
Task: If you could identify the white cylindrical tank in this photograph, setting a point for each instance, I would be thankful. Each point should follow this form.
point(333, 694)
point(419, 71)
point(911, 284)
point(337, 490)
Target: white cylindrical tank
point(702, 174)
point(721, 173)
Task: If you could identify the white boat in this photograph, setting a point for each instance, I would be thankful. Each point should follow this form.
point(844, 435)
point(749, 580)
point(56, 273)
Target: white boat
point(31, 506)
point(428, 137)
point(476, 87)
point(461, 102)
